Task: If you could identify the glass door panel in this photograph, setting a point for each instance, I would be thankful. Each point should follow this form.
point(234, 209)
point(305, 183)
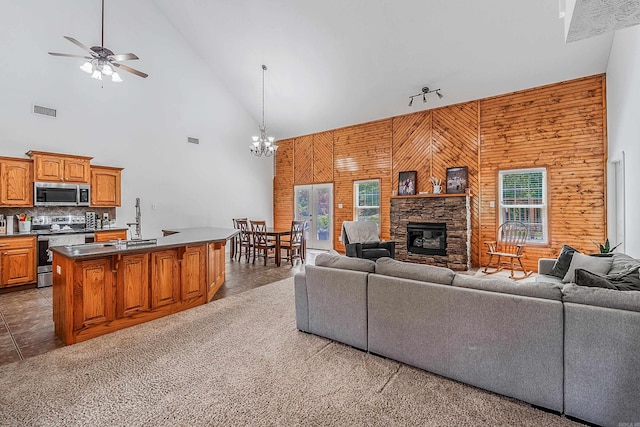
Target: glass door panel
point(313, 204)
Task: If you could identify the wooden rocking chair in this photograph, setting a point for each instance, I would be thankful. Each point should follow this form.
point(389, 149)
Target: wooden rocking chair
point(512, 236)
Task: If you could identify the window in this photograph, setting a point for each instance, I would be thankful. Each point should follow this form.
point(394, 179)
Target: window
point(523, 197)
point(367, 201)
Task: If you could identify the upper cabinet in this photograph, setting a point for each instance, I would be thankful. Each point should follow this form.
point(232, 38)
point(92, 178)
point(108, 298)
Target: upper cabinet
point(105, 186)
point(52, 167)
point(16, 187)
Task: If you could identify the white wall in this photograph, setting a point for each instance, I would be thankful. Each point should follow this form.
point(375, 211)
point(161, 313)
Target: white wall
point(140, 124)
point(623, 110)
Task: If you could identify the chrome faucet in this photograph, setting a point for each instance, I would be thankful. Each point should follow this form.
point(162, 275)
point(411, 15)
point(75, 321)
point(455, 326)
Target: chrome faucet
point(137, 223)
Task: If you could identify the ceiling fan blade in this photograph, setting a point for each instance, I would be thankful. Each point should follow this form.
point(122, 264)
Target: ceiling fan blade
point(131, 70)
point(77, 43)
point(122, 57)
point(69, 55)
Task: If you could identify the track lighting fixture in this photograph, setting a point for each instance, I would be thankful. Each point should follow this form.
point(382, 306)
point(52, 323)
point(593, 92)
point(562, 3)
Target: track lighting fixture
point(425, 91)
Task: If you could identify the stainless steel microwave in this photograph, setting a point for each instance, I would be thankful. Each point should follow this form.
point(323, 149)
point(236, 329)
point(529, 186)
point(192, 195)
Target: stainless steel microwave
point(58, 194)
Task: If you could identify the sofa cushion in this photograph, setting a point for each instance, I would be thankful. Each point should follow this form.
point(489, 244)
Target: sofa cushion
point(549, 279)
point(421, 272)
point(629, 281)
point(563, 262)
point(623, 264)
point(345, 263)
point(529, 289)
point(600, 297)
point(593, 264)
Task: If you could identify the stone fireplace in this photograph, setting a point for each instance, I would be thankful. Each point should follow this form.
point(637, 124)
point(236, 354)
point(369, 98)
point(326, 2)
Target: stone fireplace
point(432, 229)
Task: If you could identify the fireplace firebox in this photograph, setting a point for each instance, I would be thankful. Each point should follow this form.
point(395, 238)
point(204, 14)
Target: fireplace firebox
point(427, 238)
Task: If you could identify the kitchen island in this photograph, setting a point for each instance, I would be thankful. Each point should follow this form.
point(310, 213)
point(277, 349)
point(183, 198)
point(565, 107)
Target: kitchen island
point(102, 287)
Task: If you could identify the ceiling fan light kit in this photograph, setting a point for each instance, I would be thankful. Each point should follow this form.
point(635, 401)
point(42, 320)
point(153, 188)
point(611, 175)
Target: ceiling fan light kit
point(102, 60)
point(423, 94)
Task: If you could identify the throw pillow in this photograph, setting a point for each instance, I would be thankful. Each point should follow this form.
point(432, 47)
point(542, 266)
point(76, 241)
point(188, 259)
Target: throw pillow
point(593, 264)
point(587, 278)
point(563, 262)
point(623, 264)
point(620, 282)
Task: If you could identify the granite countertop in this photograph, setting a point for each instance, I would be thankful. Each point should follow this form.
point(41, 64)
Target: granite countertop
point(58, 233)
point(182, 237)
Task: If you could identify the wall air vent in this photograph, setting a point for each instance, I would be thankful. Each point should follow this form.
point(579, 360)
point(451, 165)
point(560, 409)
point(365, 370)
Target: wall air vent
point(44, 111)
point(192, 140)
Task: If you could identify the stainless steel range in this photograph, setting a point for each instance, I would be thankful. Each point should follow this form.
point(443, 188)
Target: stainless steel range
point(57, 231)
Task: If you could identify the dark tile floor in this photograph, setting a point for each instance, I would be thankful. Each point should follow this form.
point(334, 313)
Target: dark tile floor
point(26, 325)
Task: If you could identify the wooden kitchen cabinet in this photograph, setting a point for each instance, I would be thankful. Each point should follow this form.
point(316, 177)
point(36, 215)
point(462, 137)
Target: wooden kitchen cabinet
point(17, 261)
point(16, 182)
point(52, 167)
point(105, 186)
point(93, 301)
point(193, 280)
point(165, 278)
point(132, 286)
point(107, 236)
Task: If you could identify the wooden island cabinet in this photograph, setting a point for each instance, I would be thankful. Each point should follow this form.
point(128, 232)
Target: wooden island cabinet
point(100, 288)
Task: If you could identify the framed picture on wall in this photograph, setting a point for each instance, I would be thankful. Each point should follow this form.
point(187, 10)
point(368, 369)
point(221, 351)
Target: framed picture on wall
point(457, 180)
point(407, 183)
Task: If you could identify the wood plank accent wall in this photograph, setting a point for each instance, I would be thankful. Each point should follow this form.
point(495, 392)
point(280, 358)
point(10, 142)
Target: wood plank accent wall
point(283, 185)
point(303, 155)
point(361, 152)
point(412, 148)
point(323, 157)
point(560, 126)
point(455, 143)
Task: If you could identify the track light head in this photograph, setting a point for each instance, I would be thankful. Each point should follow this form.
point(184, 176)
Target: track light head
point(424, 91)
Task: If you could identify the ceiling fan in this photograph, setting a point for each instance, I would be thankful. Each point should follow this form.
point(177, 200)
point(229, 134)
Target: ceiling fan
point(102, 60)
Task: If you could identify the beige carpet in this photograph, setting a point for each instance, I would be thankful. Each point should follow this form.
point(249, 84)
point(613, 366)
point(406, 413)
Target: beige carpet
point(239, 361)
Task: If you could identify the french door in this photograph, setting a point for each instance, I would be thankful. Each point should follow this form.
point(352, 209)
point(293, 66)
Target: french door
point(314, 204)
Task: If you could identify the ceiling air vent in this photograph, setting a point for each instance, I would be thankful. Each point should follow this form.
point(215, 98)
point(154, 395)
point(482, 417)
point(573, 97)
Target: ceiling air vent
point(44, 111)
point(192, 140)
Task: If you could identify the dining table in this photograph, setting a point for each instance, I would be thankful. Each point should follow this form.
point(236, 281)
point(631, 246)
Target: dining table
point(276, 233)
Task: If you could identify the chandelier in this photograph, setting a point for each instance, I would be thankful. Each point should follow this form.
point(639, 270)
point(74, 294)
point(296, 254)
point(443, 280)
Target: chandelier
point(263, 145)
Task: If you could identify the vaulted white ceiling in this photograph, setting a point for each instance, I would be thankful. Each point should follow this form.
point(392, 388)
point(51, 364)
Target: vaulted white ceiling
point(334, 63)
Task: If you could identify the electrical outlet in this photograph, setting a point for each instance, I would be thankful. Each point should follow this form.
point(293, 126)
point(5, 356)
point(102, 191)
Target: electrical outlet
point(58, 269)
point(492, 204)
point(339, 205)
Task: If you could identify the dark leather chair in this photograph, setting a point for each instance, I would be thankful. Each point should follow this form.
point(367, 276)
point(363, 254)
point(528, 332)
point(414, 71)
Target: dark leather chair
point(370, 249)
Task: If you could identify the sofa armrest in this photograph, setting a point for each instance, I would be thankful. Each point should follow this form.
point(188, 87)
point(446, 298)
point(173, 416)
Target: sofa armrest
point(545, 265)
point(301, 302)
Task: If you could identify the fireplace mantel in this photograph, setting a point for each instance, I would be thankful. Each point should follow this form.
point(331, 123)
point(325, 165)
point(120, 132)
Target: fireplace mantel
point(417, 196)
point(452, 209)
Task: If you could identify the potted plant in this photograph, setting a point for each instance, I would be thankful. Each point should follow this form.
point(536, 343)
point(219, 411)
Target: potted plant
point(323, 227)
point(606, 249)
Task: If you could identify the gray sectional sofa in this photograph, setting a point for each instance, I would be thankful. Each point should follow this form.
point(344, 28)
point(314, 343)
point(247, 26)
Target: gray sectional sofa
point(530, 341)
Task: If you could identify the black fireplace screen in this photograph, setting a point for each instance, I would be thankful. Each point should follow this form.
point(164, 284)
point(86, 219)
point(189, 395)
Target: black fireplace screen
point(428, 238)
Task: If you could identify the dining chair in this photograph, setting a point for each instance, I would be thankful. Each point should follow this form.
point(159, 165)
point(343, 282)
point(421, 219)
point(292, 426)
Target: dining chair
point(294, 243)
point(236, 240)
point(244, 240)
point(261, 242)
